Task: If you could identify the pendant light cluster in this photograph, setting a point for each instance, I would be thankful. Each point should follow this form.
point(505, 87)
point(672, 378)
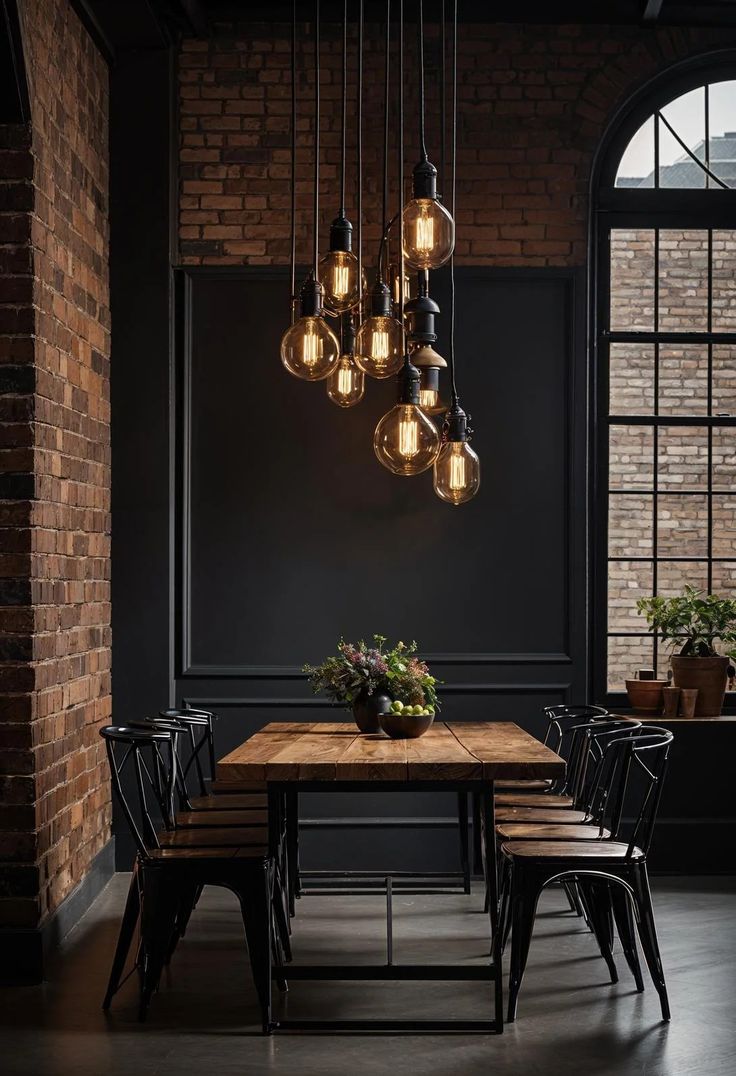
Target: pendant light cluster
point(389, 329)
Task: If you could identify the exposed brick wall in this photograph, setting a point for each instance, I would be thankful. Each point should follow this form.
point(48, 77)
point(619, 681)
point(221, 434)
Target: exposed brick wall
point(55, 483)
point(533, 104)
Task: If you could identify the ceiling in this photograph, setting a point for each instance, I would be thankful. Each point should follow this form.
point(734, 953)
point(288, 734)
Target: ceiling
point(145, 24)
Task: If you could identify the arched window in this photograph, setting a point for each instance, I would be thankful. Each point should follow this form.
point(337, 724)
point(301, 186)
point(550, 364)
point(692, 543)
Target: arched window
point(664, 317)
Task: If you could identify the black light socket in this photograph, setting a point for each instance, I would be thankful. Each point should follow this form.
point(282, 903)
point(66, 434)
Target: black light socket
point(409, 380)
point(421, 313)
point(341, 234)
point(381, 300)
point(425, 180)
point(310, 298)
point(456, 426)
point(348, 337)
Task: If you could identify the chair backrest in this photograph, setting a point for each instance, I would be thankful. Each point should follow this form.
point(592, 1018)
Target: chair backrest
point(588, 745)
point(200, 746)
point(629, 782)
point(151, 756)
point(559, 716)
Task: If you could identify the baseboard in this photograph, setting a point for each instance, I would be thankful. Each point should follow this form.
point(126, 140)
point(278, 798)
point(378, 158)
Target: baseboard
point(25, 952)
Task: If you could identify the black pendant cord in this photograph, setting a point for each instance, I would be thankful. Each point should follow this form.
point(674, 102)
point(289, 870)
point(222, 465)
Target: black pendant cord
point(293, 161)
point(359, 157)
point(344, 104)
point(385, 137)
point(315, 250)
point(420, 32)
point(453, 169)
point(400, 180)
point(443, 96)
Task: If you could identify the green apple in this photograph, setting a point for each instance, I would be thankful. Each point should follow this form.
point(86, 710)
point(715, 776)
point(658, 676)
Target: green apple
point(430, 710)
point(417, 711)
point(397, 706)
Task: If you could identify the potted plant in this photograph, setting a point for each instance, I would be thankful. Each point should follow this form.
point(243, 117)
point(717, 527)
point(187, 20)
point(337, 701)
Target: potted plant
point(695, 623)
point(369, 679)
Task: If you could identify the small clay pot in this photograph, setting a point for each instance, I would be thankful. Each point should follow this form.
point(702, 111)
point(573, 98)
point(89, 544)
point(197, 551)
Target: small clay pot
point(368, 708)
point(645, 696)
point(404, 726)
point(688, 701)
point(671, 701)
point(708, 675)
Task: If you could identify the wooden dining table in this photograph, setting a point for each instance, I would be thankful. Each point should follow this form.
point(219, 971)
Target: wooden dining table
point(461, 756)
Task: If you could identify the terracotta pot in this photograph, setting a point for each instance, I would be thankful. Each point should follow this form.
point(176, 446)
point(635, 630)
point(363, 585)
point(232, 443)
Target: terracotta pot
point(708, 675)
point(671, 701)
point(646, 696)
point(367, 709)
point(404, 727)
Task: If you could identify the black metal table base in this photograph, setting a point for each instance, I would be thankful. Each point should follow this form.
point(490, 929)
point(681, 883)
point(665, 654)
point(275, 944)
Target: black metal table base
point(279, 794)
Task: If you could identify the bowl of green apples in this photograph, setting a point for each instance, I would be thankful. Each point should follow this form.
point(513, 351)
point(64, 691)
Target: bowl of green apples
point(406, 722)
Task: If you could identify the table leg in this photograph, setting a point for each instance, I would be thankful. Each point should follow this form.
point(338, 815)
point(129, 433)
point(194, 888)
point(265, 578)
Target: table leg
point(488, 830)
point(462, 819)
point(292, 847)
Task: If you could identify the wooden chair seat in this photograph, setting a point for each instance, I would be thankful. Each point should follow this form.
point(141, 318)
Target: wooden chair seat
point(208, 819)
point(569, 850)
point(185, 855)
point(539, 815)
point(520, 831)
point(246, 802)
point(234, 788)
point(518, 799)
point(215, 837)
point(524, 786)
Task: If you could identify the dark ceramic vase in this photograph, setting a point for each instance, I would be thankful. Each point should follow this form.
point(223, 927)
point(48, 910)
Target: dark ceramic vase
point(366, 710)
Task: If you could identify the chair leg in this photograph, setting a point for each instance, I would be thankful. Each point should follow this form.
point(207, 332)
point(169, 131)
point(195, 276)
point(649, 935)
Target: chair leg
point(626, 931)
point(462, 823)
point(504, 918)
point(573, 902)
point(524, 894)
point(188, 899)
point(281, 915)
point(159, 906)
point(127, 930)
point(648, 935)
point(598, 903)
point(292, 848)
point(255, 902)
point(477, 842)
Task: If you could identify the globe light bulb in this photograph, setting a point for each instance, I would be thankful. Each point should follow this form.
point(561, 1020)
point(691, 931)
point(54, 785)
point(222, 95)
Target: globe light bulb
point(309, 348)
point(428, 400)
point(457, 467)
point(405, 441)
point(427, 229)
point(378, 346)
point(339, 274)
point(346, 384)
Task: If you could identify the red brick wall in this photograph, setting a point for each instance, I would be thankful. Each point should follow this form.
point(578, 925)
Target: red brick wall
point(55, 483)
point(533, 104)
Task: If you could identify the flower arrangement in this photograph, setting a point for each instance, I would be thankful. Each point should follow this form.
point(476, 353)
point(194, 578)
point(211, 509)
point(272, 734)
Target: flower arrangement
point(358, 671)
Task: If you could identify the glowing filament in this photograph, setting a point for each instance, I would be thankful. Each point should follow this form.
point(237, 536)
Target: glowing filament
point(428, 398)
point(344, 380)
point(408, 438)
point(380, 346)
point(458, 478)
point(341, 280)
point(312, 349)
point(425, 233)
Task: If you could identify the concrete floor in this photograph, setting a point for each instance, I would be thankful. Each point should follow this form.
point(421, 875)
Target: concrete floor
point(570, 1018)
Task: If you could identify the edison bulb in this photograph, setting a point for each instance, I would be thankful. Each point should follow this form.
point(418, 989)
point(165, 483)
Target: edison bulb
point(339, 275)
point(346, 384)
point(429, 401)
point(428, 233)
point(405, 441)
point(309, 349)
point(456, 472)
point(379, 346)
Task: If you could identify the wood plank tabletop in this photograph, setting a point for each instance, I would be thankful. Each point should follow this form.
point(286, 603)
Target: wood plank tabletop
point(329, 751)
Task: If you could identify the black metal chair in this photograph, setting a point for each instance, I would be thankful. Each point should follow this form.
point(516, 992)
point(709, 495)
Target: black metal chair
point(170, 867)
point(629, 780)
point(556, 717)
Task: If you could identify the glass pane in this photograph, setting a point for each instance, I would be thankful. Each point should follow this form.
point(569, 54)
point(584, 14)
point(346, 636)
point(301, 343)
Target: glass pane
point(683, 379)
point(630, 522)
point(631, 457)
point(724, 578)
point(722, 131)
point(686, 116)
point(636, 168)
point(724, 281)
point(724, 526)
point(724, 380)
point(632, 279)
point(683, 280)
point(625, 657)
point(682, 525)
point(664, 653)
point(627, 582)
point(724, 457)
point(631, 384)
point(674, 575)
point(682, 458)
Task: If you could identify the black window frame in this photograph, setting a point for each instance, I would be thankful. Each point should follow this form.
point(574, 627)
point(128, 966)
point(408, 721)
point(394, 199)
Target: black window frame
point(645, 208)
